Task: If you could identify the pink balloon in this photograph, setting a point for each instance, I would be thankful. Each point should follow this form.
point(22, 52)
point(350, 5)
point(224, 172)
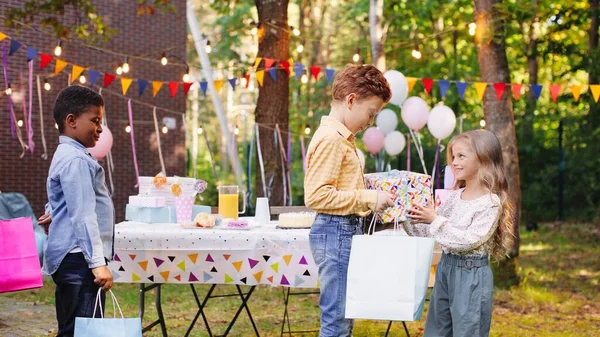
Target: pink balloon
point(415, 113)
point(374, 139)
point(103, 144)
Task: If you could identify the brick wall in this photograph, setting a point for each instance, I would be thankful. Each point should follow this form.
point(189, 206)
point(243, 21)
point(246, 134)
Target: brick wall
point(136, 35)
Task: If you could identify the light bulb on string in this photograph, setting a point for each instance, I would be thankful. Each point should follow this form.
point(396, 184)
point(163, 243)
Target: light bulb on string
point(82, 79)
point(304, 78)
point(236, 131)
point(472, 27)
point(356, 56)
point(208, 48)
point(119, 70)
point(243, 81)
point(254, 30)
point(416, 53)
point(300, 47)
point(8, 90)
point(482, 123)
point(58, 48)
point(199, 131)
point(125, 66)
point(165, 129)
point(295, 31)
point(164, 60)
point(47, 85)
point(186, 76)
point(128, 129)
point(20, 123)
point(307, 130)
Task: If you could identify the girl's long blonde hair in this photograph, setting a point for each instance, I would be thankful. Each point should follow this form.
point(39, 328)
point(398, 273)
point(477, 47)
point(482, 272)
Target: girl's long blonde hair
point(492, 176)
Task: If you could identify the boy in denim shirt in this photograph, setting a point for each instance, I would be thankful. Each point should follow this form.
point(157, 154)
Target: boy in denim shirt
point(80, 239)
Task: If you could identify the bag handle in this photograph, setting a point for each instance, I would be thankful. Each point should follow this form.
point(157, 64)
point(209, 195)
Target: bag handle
point(371, 229)
point(115, 304)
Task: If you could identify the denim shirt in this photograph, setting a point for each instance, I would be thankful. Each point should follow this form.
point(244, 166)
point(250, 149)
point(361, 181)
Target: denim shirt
point(81, 206)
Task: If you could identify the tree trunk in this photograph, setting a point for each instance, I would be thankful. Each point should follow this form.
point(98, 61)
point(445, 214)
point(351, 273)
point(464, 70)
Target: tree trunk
point(593, 62)
point(273, 96)
point(493, 64)
point(376, 30)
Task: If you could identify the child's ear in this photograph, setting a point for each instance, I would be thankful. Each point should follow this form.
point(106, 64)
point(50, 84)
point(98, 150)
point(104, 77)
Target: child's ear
point(71, 120)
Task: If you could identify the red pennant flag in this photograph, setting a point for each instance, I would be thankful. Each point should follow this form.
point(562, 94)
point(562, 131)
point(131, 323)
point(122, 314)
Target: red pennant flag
point(268, 63)
point(516, 89)
point(186, 87)
point(108, 78)
point(286, 66)
point(46, 59)
point(554, 91)
point(247, 80)
point(315, 71)
point(173, 86)
point(499, 87)
point(428, 83)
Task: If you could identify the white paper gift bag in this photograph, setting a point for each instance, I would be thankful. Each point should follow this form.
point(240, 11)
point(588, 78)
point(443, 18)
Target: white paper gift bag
point(388, 277)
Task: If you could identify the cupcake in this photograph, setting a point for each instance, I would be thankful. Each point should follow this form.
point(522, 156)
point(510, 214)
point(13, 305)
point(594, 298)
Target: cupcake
point(205, 220)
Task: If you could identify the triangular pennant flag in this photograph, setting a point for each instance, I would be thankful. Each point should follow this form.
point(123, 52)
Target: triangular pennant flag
point(554, 91)
point(192, 278)
point(499, 87)
point(213, 270)
point(273, 73)
point(303, 261)
point(93, 75)
point(247, 80)
point(480, 88)
point(108, 78)
point(244, 280)
point(260, 75)
point(284, 281)
point(218, 85)
point(117, 258)
point(428, 84)
point(252, 263)
point(576, 90)
point(314, 70)
point(75, 72)
point(232, 82)
point(270, 278)
point(45, 59)
point(237, 265)
point(207, 277)
point(203, 87)
point(257, 62)
point(516, 90)
point(134, 277)
point(151, 278)
point(298, 69)
point(209, 258)
point(143, 265)
point(275, 266)
point(31, 53)
point(132, 256)
point(537, 90)
point(268, 63)
point(142, 85)
point(115, 275)
point(444, 85)
point(286, 66)
point(266, 257)
point(193, 257)
point(228, 278)
point(173, 86)
point(178, 278)
point(3, 36)
point(181, 265)
point(59, 66)
point(287, 259)
point(121, 268)
point(462, 87)
point(226, 256)
point(299, 281)
point(165, 275)
point(411, 82)
point(329, 73)
point(186, 87)
point(171, 258)
point(156, 85)
point(258, 276)
point(14, 46)
point(306, 273)
point(595, 88)
point(125, 83)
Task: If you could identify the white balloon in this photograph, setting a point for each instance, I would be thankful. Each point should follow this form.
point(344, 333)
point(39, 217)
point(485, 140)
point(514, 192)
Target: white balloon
point(398, 85)
point(441, 122)
point(387, 121)
point(361, 158)
point(394, 143)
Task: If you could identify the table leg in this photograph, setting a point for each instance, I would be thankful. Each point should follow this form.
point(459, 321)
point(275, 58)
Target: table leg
point(244, 305)
point(201, 309)
point(157, 303)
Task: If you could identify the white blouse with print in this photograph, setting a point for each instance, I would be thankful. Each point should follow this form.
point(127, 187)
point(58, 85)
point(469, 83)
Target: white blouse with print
point(462, 227)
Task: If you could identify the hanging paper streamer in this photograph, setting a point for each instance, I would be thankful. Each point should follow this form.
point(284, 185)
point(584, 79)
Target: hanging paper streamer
point(537, 90)
point(499, 87)
point(516, 89)
point(411, 82)
point(260, 161)
point(303, 151)
point(287, 186)
point(250, 156)
point(444, 85)
point(278, 153)
point(160, 155)
point(135, 163)
point(462, 87)
point(93, 77)
point(6, 84)
point(29, 120)
point(142, 85)
point(39, 90)
point(428, 84)
point(576, 90)
point(109, 159)
point(329, 73)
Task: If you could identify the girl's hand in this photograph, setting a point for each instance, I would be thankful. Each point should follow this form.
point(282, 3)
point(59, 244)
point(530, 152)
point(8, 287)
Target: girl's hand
point(422, 214)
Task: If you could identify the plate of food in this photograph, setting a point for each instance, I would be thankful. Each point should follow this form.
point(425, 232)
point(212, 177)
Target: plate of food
point(203, 221)
point(238, 224)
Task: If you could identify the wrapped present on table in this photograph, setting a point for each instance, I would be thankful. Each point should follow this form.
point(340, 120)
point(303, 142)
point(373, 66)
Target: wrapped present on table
point(166, 214)
point(147, 201)
point(408, 187)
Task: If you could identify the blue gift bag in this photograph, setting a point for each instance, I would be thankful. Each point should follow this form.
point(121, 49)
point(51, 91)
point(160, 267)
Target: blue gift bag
point(103, 327)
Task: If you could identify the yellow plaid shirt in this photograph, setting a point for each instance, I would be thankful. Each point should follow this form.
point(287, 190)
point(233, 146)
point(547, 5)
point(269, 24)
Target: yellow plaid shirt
point(334, 182)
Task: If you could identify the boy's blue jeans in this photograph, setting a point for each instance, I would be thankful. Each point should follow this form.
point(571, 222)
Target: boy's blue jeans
point(330, 242)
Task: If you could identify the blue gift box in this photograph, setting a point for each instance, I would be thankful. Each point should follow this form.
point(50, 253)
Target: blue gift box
point(158, 214)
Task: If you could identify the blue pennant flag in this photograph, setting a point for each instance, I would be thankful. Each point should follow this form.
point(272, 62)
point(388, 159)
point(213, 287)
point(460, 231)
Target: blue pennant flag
point(329, 72)
point(142, 84)
point(93, 75)
point(299, 69)
point(537, 90)
point(31, 53)
point(204, 86)
point(273, 73)
point(232, 81)
point(443, 84)
point(461, 86)
point(14, 46)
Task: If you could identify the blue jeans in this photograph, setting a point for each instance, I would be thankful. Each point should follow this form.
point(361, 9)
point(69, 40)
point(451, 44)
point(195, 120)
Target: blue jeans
point(330, 242)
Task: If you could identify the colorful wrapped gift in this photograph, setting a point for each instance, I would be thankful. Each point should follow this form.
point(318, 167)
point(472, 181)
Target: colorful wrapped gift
point(166, 214)
point(408, 187)
point(147, 201)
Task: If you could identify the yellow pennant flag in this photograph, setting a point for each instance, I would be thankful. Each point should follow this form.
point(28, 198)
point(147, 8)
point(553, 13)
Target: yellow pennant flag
point(260, 75)
point(60, 65)
point(595, 88)
point(156, 85)
point(218, 85)
point(257, 62)
point(125, 83)
point(2, 36)
point(411, 82)
point(576, 90)
point(480, 87)
point(75, 72)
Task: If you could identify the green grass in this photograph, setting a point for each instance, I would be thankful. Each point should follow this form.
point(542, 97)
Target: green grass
point(559, 295)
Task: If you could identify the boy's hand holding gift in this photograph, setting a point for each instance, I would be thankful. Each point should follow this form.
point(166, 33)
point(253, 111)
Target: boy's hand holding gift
point(384, 200)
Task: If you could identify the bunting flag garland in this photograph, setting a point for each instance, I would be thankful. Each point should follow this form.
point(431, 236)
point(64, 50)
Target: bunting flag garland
point(203, 87)
point(173, 86)
point(268, 63)
point(480, 88)
point(299, 70)
point(257, 62)
point(329, 73)
point(3, 36)
point(499, 87)
point(125, 83)
point(286, 66)
point(108, 79)
point(273, 73)
point(156, 85)
point(142, 85)
point(461, 87)
point(315, 71)
point(14, 46)
point(186, 87)
point(443, 85)
point(554, 91)
point(411, 83)
point(45, 59)
point(75, 72)
point(595, 89)
point(59, 66)
point(31, 53)
point(428, 84)
point(247, 80)
point(576, 90)
point(218, 85)
point(93, 77)
point(260, 76)
point(537, 90)
point(232, 82)
point(516, 89)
